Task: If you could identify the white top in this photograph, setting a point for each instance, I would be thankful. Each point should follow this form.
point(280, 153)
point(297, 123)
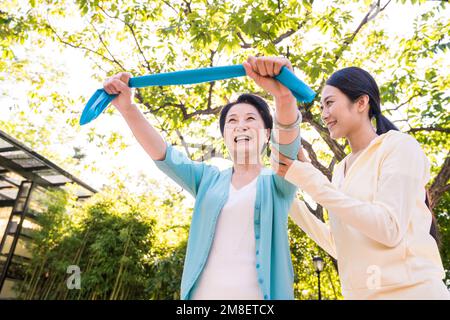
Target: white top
point(230, 271)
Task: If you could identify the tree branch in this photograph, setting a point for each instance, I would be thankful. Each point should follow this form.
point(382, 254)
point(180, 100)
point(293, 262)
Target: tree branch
point(332, 164)
point(374, 9)
point(188, 6)
point(132, 33)
point(335, 147)
point(318, 212)
point(244, 45)
point(314, 160)
point(287, 34)
point(77, 46)
point(403, 103)
point(375, 6)
point(438, 129)
point(105, 46)
point(186, 145)
point(440, 184)
point(183, 142)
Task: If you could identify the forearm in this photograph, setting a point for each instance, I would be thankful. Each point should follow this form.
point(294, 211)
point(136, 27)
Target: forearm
point(375, 219)
point(286, 113)
point(313, 227)
point(147, 136)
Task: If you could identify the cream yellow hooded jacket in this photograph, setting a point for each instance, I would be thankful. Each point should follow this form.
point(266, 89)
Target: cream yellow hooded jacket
point(379, 224)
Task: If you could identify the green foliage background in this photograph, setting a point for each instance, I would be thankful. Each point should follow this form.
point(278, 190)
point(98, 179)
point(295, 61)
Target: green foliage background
point(132, 245)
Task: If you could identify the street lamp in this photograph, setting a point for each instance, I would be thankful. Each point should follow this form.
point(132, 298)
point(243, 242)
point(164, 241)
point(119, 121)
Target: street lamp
point(318, 265)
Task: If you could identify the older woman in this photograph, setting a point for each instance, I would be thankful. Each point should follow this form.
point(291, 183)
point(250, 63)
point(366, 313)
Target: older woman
point(238, 244)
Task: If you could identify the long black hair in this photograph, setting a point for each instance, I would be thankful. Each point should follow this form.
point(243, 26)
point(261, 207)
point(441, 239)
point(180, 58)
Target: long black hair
point(355, 82)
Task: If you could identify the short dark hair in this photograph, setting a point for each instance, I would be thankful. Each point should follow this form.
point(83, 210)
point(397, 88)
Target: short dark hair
point(254, 100)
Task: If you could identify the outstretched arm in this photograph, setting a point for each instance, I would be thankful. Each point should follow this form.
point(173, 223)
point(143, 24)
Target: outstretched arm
point(401, 182)
point(185, 172)
point(147, 136)
point(317, 230)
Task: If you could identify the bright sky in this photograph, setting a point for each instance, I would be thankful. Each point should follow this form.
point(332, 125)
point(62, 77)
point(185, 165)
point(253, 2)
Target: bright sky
point(134, 161)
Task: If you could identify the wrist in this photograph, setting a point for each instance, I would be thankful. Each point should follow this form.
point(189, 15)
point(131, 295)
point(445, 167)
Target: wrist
point(290, 126)
point(125, 107)
point(285, 99)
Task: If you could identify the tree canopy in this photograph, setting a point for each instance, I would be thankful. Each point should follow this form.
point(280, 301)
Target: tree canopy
point(319, 37)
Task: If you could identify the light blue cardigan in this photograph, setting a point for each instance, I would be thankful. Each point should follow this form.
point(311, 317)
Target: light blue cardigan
point(210, 187)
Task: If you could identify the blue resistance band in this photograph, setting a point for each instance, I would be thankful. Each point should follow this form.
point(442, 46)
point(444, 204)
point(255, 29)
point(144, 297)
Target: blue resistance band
point(100, 100)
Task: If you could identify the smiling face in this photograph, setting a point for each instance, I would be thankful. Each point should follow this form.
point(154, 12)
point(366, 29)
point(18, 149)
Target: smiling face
point(245, 133)
point(340, 115)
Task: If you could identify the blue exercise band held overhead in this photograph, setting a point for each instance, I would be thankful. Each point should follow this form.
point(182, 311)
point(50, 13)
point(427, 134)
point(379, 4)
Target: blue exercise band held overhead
point(100, 100)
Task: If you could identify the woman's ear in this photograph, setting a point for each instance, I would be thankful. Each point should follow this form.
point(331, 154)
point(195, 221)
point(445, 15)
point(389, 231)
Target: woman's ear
point(363, 103)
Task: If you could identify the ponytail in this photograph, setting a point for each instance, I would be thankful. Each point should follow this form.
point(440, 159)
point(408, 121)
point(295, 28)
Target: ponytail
point(384, 124)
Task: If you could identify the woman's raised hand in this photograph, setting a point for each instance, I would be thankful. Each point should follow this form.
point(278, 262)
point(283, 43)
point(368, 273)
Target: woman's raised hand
point(118, 84)
point(263, 69)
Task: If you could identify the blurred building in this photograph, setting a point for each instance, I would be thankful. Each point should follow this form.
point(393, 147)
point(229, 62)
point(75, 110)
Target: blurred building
point(25, 176)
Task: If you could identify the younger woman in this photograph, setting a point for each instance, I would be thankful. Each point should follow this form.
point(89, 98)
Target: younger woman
point(380, 225)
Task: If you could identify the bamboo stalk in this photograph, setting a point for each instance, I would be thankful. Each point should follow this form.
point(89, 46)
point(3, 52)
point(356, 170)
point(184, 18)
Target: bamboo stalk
point(59, 289)
point(23, 283)
point(50, 286)
point(27, 295)
point(81, 249)
point(114, 293)
point(38, 277)
point(119, 289)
